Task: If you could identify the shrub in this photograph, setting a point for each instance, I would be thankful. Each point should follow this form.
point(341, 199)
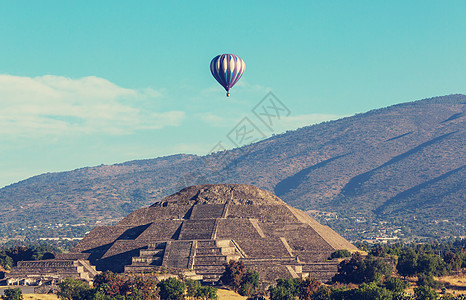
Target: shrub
point(322, 293)
point(171, 289)
point(110, 283)
point(233, 275)
point(340, 254)
point(281, 293)
point(358, 270)
point(242, 280)
point(206, 292)
point(307, 287)
point(395, 284)
point(73, 289)
point(294, 288)
point(141, 289)
point(428, 280)
point(191, 287)
point(425, 293)
point(371, 291)
point(431, 264)
point(249, 283)
point(12, 294)
point(407, 263)
point(260, 295)
point(453, 261)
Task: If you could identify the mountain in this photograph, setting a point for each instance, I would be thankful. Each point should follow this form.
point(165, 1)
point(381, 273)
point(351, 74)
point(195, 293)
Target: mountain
point(398, 170)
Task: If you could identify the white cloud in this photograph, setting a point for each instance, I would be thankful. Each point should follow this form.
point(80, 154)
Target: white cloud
point(214, 119)
point(54, 105)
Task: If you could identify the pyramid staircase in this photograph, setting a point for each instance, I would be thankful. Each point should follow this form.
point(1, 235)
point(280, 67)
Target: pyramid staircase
point(148, 258)
point(211, 256)
point(206, 257)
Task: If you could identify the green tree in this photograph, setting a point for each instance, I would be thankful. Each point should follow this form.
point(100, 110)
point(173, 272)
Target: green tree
point(322, 293)
point(12, 294)
point(294, 288)
point(249, 283)
point(171, 289)
point(142, 289)
point(431, 264)
point(342, 293)
point(19, 253)
point(293, 285)
point(371, 291)
point(6, 261)
point(206, 292)
point(395, 284)
point(358, 270)
point(453, 261)
point(340, 254)
point(111, 284)
point(425, 293)
point(377, 251)
point(407, 262)
point(233, 275)
point(73, 289)
point(44, 251)
point(191, 287)
point(281, 293)
point(242, 280)
point(307, 287)
point(428, 280)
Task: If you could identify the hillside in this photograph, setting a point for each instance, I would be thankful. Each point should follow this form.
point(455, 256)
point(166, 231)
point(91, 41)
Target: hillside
point(400, 169)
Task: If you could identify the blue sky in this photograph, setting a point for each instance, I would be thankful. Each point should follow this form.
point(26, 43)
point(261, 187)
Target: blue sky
point(84, 83)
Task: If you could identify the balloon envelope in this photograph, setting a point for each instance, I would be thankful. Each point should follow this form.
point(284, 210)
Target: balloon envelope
point(227, 69)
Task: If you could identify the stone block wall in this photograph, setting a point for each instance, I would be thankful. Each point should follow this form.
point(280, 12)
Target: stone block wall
point(207, 211)
point(264, 213)
point(100, 236)
point(261, 248)
point(149, 214)
point(202, 229)
point(161, 231)
point(236, 229)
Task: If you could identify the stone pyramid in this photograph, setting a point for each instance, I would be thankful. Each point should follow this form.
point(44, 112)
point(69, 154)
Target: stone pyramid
point(203, 227)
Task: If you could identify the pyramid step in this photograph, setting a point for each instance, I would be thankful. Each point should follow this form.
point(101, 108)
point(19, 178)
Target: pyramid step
point(206, 269)
point(154, 252)
point(215, 260)
point(132, 268)
point(215, 251)
point(223, 243)
point(228, 250)
point(208, 251)
point(146, 260)
point(206, 244)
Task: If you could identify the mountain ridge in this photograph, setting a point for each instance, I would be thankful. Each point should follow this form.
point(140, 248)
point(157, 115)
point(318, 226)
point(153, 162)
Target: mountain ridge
point(350, 167)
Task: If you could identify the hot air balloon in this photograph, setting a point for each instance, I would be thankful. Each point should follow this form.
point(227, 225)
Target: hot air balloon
point(227, 69)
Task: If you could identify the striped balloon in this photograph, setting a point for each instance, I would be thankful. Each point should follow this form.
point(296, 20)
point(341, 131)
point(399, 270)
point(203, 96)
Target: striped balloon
point(227, 69)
